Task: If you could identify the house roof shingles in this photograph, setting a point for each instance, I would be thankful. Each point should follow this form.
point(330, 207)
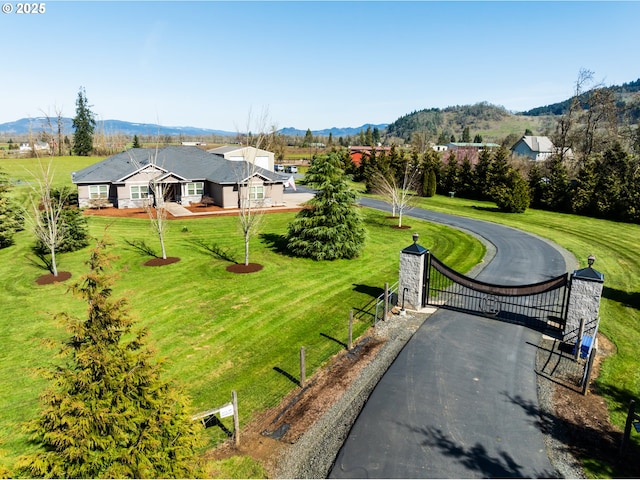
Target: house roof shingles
point(190, 163)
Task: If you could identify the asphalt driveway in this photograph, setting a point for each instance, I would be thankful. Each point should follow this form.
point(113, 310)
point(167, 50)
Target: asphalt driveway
point(460, 399)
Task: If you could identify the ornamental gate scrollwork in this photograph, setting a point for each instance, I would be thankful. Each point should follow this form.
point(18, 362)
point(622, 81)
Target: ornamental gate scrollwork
point(541, 306)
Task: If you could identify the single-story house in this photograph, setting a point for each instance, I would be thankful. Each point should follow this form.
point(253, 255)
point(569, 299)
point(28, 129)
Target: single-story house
point(261, 158)
point(186, 174)
point(535, 147)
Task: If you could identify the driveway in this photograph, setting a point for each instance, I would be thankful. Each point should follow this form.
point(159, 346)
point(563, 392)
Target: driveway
point(460, 399)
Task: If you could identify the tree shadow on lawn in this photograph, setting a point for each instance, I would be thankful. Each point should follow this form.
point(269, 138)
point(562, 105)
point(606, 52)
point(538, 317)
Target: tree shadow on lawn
point(213, 249)
point(486, 209)
point(628, 299)
point(374, 292)
point(141, 247)
point(44, 263)
point(276, 242)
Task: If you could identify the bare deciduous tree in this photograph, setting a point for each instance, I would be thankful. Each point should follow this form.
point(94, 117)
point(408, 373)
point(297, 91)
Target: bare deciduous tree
point(251, 192)
point(156, 205)
point(398, 190)
point(45, 217)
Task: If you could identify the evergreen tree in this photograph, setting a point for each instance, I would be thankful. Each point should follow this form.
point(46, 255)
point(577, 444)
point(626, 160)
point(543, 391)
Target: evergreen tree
point(481, 175)
point(430, 185)
point(466, 135)
point(11, 220)
point(72, 222)
point(499, 169)
point(136, 142)
point(556, 196)
point(477, 138)
point(107, 413)
point(430, 163)
point(537, 185)
point(330, 227)
point(443, 138)
point(376, 135)
point(84, 125)
point(308, 138)
point(368, 136)
point(512, 194)
point(465, 179)
point(451, 174)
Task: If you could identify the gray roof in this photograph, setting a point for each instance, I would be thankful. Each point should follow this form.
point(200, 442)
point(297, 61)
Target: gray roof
point(190, 163)
point(539, 144)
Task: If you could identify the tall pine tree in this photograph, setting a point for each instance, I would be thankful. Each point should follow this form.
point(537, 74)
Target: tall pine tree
point(106, 412)
point(84, 125)
point(330, 227)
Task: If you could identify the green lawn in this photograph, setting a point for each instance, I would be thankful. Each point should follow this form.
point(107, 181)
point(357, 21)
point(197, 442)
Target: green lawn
point(216, 331)
point(220, 332)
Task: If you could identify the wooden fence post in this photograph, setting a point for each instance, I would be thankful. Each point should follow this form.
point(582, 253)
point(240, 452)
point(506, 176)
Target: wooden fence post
point(350, 342)
point(236, 418)
point(302, 367)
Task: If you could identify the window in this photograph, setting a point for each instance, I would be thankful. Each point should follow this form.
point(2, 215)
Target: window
point(98, 191)
point(256, 192)
point(195, 188)
point(139, 192)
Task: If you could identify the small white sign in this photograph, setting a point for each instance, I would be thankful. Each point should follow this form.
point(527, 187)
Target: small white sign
point(226, 411)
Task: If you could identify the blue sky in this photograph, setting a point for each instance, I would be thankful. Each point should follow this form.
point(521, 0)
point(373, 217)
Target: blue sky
point(315, 65)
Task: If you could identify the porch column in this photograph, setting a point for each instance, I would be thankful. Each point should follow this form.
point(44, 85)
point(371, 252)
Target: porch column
point(585, 292)
point(411, 282)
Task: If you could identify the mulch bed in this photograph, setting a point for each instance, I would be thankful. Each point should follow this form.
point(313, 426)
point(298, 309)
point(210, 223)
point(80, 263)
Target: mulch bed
point(199, 212)
point(49, 278)
point(242, 268)
point(158, 262)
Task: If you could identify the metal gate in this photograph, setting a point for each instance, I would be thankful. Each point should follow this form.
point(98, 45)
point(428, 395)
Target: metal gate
point(540, 306)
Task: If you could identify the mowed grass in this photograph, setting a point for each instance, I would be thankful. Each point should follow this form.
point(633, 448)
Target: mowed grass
point(617, 250)
point(215, 331)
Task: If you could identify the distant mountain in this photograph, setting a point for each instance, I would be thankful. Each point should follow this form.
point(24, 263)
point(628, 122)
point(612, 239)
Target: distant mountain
point(109, 127)
point(112, 127)
point(622, 93)
point(336, 132)
point(435, 122)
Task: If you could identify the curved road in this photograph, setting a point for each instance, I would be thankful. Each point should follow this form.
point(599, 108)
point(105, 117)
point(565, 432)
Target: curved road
point(460, 400)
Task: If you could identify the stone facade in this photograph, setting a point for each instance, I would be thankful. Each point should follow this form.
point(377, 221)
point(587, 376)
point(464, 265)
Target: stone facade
point(411, 282)
point(584, 302)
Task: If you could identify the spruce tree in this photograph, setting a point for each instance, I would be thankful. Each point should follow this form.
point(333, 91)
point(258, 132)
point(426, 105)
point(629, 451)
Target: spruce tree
point(106, 412)
point(11, 220)
point(330, 227)
point(84, 124)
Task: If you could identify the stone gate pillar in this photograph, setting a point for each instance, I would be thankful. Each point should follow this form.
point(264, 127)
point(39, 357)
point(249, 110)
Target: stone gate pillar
point(412, 275)
point(585, 292)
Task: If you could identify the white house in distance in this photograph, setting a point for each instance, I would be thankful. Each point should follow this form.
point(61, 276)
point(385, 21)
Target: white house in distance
point(537, 148)
point(256, 156)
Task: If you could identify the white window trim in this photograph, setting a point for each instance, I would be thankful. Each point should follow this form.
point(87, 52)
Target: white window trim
point(256, 192)
point(195, 188)
point(140, 192)
point(97, 194)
